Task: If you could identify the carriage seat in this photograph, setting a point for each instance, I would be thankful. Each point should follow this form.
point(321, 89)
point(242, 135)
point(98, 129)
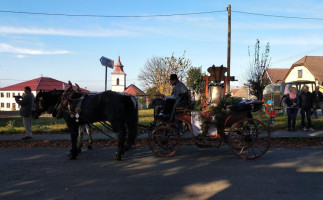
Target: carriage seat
point(246, 107)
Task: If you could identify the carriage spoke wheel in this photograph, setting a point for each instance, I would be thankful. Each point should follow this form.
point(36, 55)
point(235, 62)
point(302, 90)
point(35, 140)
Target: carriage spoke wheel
point(249, 139)
point(164, 141)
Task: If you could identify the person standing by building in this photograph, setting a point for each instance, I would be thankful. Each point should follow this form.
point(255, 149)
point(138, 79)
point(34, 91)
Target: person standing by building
point(292, 101)
point(26, 102)
point(306, 106)
point(317, 101)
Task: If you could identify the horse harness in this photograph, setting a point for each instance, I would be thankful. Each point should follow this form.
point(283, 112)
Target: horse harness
point(64, 105)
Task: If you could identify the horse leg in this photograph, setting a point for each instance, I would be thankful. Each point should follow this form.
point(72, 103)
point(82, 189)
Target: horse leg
point(73, 128)
point(131, 138)
point(121, 141)
point(89, 132)
point(80, 139)
point(132, 134)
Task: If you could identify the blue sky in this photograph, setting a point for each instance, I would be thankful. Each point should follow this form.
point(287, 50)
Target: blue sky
point(69, 48)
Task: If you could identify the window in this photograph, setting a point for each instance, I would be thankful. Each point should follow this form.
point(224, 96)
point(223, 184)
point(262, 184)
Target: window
point(118, 81)
point(8, 95)
point(8, 105)
point(277, 88)
point(300, 73)
point(13, 94)
point(13, 106)
point(2, 95)
point(2, 105)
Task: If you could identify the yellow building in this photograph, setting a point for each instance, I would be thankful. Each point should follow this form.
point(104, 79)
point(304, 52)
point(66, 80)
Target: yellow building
point(307, 69)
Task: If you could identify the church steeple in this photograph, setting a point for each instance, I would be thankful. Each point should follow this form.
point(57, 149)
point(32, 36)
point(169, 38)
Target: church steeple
point(118, 68)
point(118, 83)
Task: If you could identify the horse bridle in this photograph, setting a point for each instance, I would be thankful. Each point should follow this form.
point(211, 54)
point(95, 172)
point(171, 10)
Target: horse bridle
point(62, 104)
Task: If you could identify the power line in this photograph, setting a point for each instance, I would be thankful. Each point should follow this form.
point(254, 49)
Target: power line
point(278, 16)
point(157, 15)
point(110, 16)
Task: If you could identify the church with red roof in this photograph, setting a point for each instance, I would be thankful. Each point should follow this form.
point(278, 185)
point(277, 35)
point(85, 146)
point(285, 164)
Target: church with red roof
point(118, 77)
point(118, 83)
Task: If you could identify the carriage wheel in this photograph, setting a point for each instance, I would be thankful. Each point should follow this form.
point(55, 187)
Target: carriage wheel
point(164, 141)
point(249, 139)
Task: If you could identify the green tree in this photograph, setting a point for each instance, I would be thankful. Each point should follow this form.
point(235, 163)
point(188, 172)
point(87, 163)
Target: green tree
point(151, 93)
point(258, 65)
point(195, 80)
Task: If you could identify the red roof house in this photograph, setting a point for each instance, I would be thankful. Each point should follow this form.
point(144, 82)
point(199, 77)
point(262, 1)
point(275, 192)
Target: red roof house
point(276, 75)
point(133, 90)
point(7, 102)
point(241, 92)
point(37, 84)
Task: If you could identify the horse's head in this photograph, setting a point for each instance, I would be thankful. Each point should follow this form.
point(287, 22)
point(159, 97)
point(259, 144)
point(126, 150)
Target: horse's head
point(40, 105)
point(45, 102)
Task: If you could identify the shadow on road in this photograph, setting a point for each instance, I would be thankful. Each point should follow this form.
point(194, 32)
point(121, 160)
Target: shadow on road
point(193, 173)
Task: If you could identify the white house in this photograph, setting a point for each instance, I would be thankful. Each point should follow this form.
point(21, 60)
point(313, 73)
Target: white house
point(7, 100)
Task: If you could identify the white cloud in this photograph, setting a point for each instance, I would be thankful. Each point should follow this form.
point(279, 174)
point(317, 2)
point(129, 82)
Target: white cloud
point(7, 48)
point(66, 32)
point(21, 56)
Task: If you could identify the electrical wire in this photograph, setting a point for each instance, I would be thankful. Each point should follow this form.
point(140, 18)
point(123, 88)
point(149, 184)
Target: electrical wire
point(277, 16)
point(157, 15)
point(110, 16)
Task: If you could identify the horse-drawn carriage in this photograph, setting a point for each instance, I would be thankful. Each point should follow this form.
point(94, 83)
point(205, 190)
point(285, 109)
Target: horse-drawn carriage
point(248, 138)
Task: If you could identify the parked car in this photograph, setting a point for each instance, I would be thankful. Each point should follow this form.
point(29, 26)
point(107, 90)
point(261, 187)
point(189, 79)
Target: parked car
point(278, 91)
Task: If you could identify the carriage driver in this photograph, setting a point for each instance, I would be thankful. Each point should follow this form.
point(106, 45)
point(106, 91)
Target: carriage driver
point(180, 91)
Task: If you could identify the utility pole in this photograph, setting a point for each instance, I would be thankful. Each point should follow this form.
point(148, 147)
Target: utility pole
point(229, 49)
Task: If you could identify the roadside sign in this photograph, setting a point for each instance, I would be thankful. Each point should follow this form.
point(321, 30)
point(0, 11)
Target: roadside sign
point(107, 62)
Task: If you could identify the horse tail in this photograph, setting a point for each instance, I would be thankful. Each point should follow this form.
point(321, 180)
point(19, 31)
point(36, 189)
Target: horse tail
point(132, 120)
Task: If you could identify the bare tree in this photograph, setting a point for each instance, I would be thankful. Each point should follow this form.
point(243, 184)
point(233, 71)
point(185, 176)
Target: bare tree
point(258, 65)
point(157, 71)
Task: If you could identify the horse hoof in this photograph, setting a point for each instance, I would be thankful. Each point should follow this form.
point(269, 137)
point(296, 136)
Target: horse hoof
point(126, 148)
point(117, 156)
point(89, 147)
point(73, 158)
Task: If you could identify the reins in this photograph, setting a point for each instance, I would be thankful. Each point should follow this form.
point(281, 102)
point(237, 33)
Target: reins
point(64, 102)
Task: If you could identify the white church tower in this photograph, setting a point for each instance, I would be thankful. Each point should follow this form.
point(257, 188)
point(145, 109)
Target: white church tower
point(118, 83)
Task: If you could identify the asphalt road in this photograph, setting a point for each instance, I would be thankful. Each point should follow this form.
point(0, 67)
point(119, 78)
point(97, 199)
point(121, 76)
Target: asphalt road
point(193, 173)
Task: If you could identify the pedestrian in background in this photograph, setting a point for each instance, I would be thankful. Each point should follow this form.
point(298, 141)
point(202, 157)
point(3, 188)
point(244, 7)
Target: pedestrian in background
point(317, 101)
point(26, 101)
point(292, 101)
point(306, 106)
